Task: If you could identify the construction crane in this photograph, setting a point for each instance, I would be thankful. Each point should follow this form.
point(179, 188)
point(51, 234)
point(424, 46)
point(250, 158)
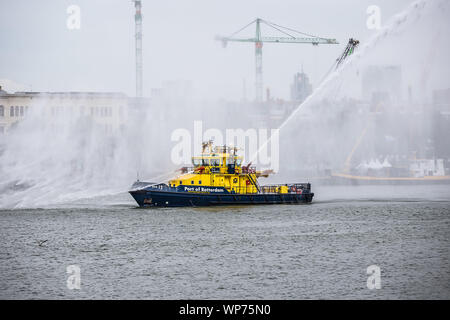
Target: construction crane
point(138, 35)
point(259, 39)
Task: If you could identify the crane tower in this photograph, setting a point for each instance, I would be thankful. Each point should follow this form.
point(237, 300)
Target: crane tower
point(138, 35)
point(258, 40)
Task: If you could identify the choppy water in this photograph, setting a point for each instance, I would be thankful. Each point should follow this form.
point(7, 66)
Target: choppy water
point(320, 250)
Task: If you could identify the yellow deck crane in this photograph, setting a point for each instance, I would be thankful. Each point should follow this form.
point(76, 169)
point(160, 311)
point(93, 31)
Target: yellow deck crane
point(259, 39)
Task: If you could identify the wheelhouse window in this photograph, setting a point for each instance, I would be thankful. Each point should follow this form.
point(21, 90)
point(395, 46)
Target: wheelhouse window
point(215, 162)
point(205, 162)
point(196, 162)
point(238, 162)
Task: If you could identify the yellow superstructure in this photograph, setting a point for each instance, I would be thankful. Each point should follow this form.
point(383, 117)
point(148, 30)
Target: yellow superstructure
point(221, 167)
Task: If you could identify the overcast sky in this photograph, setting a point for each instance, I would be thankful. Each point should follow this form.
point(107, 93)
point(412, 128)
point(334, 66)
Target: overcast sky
point(37, 48)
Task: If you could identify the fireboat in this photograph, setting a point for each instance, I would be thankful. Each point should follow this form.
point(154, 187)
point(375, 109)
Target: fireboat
point(218, 178)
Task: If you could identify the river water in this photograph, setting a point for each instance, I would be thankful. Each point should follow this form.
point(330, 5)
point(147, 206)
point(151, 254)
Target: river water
point(316, 251)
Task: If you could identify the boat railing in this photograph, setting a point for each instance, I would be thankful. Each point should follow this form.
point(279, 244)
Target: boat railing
point(248, 169)
point(142, 184)
point(215, 169)
point(297, 188)
point(291, 188)
point(186, 169)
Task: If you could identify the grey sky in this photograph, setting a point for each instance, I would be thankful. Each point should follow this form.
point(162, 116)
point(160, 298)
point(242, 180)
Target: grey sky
point(37, 48)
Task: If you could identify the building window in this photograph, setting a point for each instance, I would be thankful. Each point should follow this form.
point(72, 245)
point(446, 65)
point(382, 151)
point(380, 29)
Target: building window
point(11, 111)
point(2, 111)
point(21, 111)
point(17, 111)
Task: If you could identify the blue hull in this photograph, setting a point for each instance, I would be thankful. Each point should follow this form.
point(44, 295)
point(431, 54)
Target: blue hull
point(157, 198)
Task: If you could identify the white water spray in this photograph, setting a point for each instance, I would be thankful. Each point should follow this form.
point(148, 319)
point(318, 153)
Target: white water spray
point(432, 11)
point(47, 160)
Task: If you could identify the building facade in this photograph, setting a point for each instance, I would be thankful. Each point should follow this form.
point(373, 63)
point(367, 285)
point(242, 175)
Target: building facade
point(109, 110)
